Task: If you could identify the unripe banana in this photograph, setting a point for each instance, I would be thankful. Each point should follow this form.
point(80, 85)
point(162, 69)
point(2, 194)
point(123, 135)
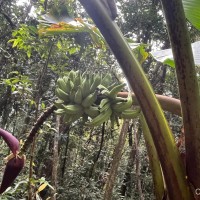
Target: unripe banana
point(60, 111)
point(103, 90)
point(62, 85)
point(72, 109)
point(115, 90)
point(72, 75)
point(89, 100)
point(105, 107)
point(59, 103)
point(130, 114)
point(62, 95)
point(110, 87)
point(72, 96)
point(85, 88)
point(65, 78)
point(78, 96)
point(92, 111)
point(70, 85)
point(121, 106)
point(102, 117)
point(78, 80)
point(106, 80)
point(104, 102)
point(119, 99)
point(96, 82)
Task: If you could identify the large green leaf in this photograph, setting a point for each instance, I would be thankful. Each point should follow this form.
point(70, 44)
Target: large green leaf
point(192, 11)
point(166, 57)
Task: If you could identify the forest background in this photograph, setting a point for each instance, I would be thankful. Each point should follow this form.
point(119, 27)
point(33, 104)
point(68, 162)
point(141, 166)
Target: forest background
point(73, 162)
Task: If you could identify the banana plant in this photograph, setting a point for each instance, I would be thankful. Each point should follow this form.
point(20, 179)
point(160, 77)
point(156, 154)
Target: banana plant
point(173, 170)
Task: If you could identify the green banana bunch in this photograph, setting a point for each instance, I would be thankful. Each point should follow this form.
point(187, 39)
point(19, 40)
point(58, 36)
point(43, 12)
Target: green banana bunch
point(89, 100)
point(62, 85)
point(114, 91)
point(73, 109)
point(85, 87)
point(104, 105)
point(130, 113)
point(62, 95)
point(77, 94)
point(92, 111)
point(102, 117)
point(60, 111)
point(96, 83)
point(121, 106)
point(88, 95)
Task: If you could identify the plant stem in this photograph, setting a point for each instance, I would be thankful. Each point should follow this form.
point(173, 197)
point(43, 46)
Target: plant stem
point(173, 169)
point(188, 85)
point(153, 161)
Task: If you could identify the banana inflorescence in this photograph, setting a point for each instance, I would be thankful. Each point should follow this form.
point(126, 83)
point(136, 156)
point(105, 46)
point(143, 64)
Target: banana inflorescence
point(91, 97)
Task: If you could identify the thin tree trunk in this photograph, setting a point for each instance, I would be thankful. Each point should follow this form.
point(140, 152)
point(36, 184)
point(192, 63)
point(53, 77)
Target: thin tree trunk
point(138, 166)
point(55, 160)
point(67, 130)
point(96, 158)
point(115, 162)
point(127, 182)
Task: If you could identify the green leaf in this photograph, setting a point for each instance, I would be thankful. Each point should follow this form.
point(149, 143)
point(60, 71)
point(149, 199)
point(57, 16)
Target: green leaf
point(59, 45)
point(192, 12)
point(28, 53)
point(166, 57)
point(72, 50)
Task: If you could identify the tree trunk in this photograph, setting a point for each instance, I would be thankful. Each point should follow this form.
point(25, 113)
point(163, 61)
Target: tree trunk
point(55, 159)
point(115, 162)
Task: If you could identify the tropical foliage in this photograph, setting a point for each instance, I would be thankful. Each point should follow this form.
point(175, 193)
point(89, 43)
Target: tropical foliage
point(78, 95)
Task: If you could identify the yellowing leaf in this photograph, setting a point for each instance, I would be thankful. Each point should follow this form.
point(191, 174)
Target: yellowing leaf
point(42, 187)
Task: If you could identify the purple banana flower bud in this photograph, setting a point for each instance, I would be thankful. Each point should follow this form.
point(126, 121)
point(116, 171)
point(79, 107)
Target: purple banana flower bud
point(13, 168)
point(11, 141)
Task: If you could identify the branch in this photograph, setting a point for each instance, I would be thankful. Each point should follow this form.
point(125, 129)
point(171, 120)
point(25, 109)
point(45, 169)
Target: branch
point(8, 19)
point(36, 127)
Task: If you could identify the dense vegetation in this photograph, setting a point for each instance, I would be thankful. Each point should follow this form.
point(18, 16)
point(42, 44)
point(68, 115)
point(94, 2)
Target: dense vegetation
point(73, 161)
